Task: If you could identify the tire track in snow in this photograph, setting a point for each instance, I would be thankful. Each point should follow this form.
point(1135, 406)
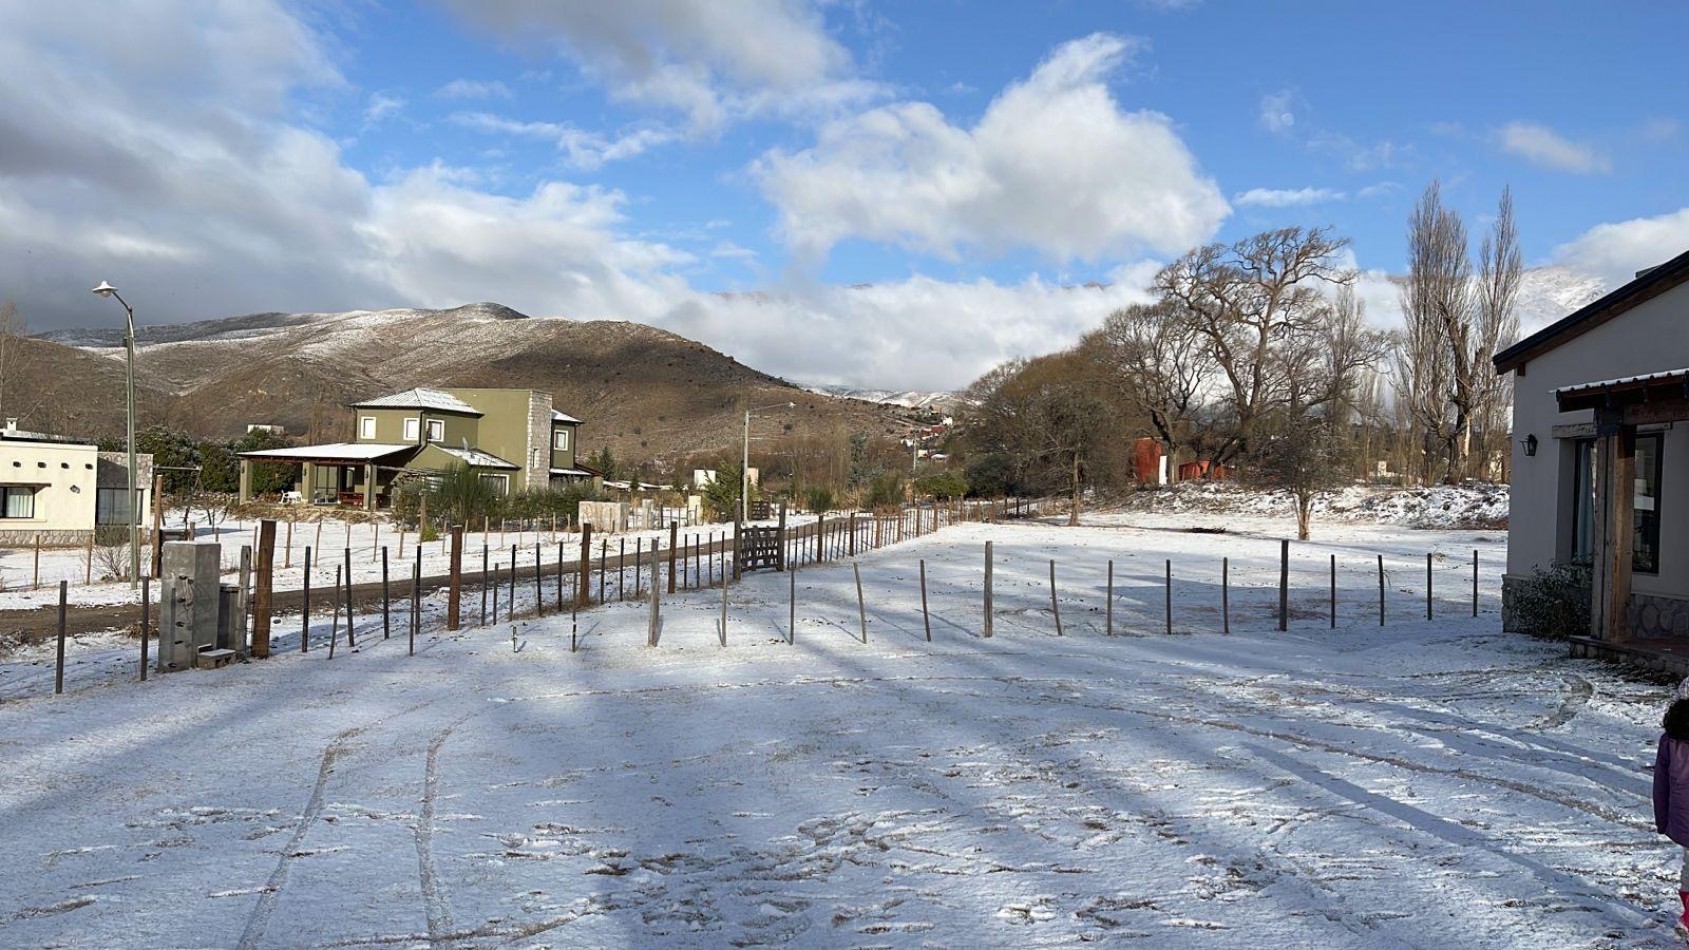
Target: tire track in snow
point(260, 917)
point(438, 910)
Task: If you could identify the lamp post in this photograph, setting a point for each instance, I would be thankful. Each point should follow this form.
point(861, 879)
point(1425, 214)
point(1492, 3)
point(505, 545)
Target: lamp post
point(745, 462)
point(107, 290)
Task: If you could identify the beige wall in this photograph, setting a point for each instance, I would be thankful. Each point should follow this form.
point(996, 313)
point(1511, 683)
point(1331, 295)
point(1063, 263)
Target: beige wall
point(1649, 338)
point(64, 477)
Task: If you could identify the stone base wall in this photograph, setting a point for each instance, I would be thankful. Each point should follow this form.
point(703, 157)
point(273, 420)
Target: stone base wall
point(49, 539)
point(1656, 617)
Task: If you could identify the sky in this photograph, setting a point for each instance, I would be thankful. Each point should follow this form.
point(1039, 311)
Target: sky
point(877, 194)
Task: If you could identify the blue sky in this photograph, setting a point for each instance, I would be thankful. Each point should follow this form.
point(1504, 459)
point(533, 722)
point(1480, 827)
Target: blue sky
point(856, 192)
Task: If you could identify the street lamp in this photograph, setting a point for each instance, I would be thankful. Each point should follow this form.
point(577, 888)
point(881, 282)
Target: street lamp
point(745, 463)
point(107, 290)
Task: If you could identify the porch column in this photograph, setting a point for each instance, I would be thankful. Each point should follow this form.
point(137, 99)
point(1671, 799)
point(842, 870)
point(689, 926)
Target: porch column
point(308, 482)
point(369, 486)
point(1615, 524)
point(245, 480)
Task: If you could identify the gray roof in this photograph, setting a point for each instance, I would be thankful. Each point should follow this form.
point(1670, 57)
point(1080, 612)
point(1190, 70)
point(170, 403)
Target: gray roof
point(332, 452)
point(420, 398)
point(563, 417)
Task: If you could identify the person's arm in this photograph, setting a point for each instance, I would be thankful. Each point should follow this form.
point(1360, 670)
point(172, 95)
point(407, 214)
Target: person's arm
point(1662, 785)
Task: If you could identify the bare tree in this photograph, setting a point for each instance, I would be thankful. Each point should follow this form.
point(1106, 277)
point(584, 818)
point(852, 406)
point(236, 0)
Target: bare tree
point(12, 332)
point(1253, 306)
point(1454, 324)
point(1160, 367)
point(1500, 268)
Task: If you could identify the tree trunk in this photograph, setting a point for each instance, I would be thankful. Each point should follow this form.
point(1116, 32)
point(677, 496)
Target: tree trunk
point(1304, 513)
point(1073, 515)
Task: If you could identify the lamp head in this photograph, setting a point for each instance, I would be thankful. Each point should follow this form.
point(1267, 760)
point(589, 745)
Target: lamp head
point(105, 289)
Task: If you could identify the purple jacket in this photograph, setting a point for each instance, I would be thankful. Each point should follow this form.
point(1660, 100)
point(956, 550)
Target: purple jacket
point(1671, 789)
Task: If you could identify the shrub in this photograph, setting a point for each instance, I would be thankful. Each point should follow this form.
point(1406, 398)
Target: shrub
point(820, 499)
point(885, 489)
point(1553, 603)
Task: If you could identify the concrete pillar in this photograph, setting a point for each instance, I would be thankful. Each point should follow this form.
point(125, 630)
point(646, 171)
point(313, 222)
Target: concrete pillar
point(245, 480)
point(189, 612)
point(308, 482)
point(369, 486)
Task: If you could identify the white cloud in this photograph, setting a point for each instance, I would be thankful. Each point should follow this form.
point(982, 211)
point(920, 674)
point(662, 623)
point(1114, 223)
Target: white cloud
point(1543, 146)
point(1616, 251)
point(202, 206)
point(382, 105)
point(1287, 197)
point(714, 62)
point(582, 149)
point(1054, 164)
point(1278, 112)
point(474, 89)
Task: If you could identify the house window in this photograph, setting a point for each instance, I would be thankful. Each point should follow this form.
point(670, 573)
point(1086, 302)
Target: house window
point(17, 501)
point(1645, 536)
point(412, 428)
point(111, 506)
point(366, 428)
point(1645, 557)
point(436, 430)
point(500, 484)
point(560, 440)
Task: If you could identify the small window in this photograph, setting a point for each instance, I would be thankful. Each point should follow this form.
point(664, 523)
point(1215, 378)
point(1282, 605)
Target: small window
point(560, 440)
point(1645, 550)
point(366, 428)
point(500, 484)
point(436, 430)
point(17, 501)
point(412, 427)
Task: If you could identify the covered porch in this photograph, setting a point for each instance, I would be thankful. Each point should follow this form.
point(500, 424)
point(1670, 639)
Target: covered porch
point(357, 474)
point(1650, 627)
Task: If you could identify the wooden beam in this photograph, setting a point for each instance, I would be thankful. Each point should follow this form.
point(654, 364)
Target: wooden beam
point(1622, 533)
point(1656, 411)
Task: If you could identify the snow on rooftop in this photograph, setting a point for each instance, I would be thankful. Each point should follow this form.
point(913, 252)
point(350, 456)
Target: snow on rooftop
point(1622, 381)
point(563, 417)
point(336, 451)
point(420, 398)
point(478, 458)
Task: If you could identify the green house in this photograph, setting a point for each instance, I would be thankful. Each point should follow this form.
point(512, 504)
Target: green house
point(513, 438)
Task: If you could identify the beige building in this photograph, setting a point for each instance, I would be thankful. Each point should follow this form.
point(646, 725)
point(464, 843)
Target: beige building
point(513, 438)
point(60, 488)
point(1600, 468)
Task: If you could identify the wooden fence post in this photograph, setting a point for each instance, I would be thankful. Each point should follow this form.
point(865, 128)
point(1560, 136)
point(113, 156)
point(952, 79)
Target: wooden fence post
point(926, 618)
point(416, 601)
point(656, 598)
point(1108, 599)
point(988, 589)
point(350, 642)
point(583, 572)
point(1381, 590)
point(146, 621)
point(454, 592)
point(59, 667)
point(539, 583)
point(792, 607)
point(1225, 595)
point(264, 588)
point(334, 627)
point(1427, 585)
point(1334, 592)
point(852, 534)
point(1055, 605)
point(674, 537)
point(1474, 582)
point(1169, 595)
point(724, 586)
point(861, 606)
point(305, 608)
point(1284, 585)
point(386, 599)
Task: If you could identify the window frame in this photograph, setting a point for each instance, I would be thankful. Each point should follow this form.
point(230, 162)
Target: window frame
point(26, 491)
point(366, 428)
point(436, 431)
point(560, 440)
point(413, 428)
point(1645, 525)
point(500, 479)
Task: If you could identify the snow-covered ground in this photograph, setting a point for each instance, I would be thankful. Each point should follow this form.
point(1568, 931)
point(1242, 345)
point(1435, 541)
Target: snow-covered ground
point(1426, 784)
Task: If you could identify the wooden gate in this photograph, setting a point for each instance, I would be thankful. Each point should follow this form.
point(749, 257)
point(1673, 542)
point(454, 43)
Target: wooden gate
point(761, 549)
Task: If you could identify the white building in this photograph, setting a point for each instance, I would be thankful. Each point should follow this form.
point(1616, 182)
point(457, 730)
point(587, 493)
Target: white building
point(58, 489)
point(1600, 468)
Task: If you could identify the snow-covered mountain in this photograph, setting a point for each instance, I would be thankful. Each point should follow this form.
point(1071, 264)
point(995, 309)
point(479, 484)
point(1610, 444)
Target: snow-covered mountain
point(1548, 293)
point(908, 399)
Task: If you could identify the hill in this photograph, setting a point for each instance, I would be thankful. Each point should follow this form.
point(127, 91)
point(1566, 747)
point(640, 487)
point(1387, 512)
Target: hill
point(643, 392)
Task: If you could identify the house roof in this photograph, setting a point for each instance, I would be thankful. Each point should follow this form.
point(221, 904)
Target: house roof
point(1625, 389)
point(476, 458)
point(576, 472)
point(1650, 284)
point(563, 417)
point(331, 452)
point(420, 398)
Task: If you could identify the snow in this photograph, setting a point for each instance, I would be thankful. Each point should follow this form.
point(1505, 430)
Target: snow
point(1425, 783)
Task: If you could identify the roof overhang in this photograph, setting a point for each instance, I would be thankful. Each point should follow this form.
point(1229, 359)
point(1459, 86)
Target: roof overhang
point(571, 472)
point(1650, 284)
point(341, 453)
point(475, 458)
point(1667, 391)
